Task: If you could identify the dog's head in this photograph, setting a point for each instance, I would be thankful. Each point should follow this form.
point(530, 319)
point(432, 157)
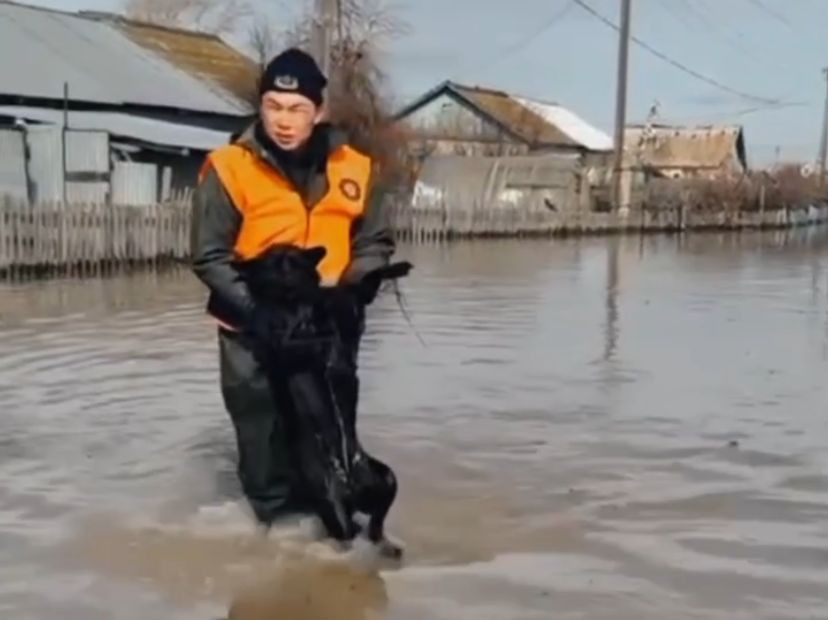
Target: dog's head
point(282, 272)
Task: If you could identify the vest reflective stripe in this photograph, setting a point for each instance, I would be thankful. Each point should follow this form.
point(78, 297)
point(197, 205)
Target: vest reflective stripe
point(273, 212)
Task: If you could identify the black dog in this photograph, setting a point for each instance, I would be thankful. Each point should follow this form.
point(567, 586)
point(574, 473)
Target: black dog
point(308, 340)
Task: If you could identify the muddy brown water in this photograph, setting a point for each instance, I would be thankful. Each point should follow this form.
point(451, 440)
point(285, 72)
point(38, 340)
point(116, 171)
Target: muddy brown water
point(597, 428)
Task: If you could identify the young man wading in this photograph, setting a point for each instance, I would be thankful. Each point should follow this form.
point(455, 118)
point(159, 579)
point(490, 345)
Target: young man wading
point(288, 180)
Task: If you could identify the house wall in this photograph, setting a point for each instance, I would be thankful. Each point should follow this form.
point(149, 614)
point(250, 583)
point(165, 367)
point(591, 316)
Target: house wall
point(446, 127)
point(184, 169)
point(13, 181)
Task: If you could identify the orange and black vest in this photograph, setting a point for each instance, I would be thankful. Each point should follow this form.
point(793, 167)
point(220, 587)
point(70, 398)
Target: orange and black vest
point(273, 211)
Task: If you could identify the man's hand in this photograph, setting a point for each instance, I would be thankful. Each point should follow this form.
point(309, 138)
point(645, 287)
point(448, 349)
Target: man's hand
point(367, 287)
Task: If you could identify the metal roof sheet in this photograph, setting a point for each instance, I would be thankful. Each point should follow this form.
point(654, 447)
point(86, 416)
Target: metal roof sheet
point(662, 146)
point(126, 125)
point(536, 123)
point(204, 56)
point(100, 62)
point(569, 123)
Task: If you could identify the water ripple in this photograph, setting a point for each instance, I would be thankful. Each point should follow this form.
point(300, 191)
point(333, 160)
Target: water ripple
point(625, 429)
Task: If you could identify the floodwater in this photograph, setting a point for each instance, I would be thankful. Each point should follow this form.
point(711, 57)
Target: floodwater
point(599, 428)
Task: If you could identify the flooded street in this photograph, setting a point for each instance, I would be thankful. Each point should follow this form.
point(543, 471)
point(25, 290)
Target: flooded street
point(620, 429)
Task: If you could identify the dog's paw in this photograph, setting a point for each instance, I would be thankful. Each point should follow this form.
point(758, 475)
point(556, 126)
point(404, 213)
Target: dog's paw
point(369, 556)
point(390, 549)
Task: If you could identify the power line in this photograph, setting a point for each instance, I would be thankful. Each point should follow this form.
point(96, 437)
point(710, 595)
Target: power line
point(497, 57)
point(777, 16)
point(733, 113)
point(554, 19)
point(712, 25)
point(675, 63)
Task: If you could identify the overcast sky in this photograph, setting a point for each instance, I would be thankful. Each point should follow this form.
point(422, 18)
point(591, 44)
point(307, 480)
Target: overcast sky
point(555, 50)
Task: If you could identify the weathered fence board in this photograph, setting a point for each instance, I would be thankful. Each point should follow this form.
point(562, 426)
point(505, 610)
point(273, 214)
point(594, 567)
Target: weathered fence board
point(435, 222)
point(51, 236)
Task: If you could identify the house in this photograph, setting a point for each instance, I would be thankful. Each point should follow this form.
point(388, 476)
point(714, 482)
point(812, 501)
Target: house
point(468, 120)
point(142, 103)
point(478, 148)
point(685, 152)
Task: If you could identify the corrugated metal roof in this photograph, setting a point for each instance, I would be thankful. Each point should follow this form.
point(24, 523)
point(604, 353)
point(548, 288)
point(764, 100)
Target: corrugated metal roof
point(705, 147)
point(127, 125)
point(465, 185)
point(207, 57)
point(520, 120)
point(534, 122)
point(100, 62)
point(569, 123)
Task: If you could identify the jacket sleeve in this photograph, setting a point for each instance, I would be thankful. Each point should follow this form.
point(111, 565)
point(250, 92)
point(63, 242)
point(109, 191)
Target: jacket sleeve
point(372, 238)
point(215, 225)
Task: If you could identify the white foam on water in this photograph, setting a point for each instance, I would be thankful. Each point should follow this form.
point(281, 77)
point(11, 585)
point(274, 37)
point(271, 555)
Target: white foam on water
point(364, 556)
point(226, 518)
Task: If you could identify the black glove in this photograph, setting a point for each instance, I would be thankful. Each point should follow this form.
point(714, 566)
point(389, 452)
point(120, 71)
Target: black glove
point(367, 287)
point(346, 309)
point(365, 291)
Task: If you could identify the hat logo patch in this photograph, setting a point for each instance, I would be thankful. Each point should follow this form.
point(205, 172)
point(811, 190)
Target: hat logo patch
point(286, 82)
point(350, 189)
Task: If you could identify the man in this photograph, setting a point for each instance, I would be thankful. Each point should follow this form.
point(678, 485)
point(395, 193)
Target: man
point(289, 179)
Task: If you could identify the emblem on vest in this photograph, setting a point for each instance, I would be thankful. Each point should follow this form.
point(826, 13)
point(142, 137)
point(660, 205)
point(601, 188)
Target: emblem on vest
point(287, 82)
point(350, 189)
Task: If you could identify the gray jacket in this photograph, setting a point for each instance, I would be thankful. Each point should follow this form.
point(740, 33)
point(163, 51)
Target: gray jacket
point(216, 223)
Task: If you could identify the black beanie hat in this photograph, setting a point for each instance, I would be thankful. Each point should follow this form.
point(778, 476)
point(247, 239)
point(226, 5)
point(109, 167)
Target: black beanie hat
point(294, 71)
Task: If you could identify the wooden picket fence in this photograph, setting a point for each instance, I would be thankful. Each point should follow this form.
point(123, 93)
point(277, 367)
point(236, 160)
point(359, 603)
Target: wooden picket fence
point(66, 238)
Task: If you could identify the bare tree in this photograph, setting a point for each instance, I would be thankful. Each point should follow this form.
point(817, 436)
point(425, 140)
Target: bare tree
point(215, 16)
point(356, 90)
point(263, 42)
point(356, 94)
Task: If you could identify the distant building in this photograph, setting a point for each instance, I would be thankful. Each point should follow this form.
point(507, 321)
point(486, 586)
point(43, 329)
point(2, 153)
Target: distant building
point(144, 102)
point(453, 119)
point(686, 152)
point(477, 148)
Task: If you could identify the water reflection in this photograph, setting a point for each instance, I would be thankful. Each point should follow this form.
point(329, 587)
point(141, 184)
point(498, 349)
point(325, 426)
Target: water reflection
point(611, 326)
point(312, 590)
point(605, 428)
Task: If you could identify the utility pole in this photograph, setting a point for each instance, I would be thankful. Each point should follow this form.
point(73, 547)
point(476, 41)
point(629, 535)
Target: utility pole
point(621, 101)
point(823, 145)
point(321, 33)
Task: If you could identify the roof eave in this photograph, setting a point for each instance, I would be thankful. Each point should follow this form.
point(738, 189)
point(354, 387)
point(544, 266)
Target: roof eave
point(450, 88)
point(114, 106)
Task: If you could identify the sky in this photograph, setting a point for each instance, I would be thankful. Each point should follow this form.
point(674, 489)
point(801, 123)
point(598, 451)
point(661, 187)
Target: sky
point(764, 57)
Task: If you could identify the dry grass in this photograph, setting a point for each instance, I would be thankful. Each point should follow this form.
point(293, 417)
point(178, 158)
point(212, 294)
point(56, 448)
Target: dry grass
point(784, 187)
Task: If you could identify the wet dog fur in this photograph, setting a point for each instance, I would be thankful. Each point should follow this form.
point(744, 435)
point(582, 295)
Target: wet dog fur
point(339, 478)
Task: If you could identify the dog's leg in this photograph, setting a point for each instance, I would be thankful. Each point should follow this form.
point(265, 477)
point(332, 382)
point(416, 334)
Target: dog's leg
point(318, 441)
point(335, 516)
point(379, 497)
point(377, 490)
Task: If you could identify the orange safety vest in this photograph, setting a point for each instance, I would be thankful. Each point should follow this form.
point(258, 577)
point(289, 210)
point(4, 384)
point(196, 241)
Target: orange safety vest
point(273, 211)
